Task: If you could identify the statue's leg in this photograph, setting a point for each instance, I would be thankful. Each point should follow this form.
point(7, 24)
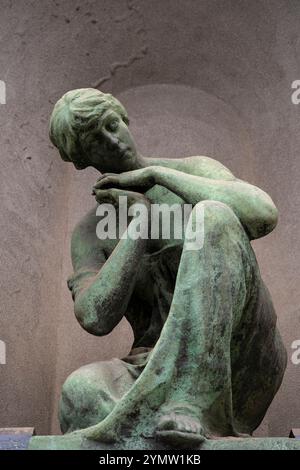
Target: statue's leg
point(212, 290)
point(257, 352)
point(91, 392)
point(240, 356)
point(232, 360)
point(186, 387)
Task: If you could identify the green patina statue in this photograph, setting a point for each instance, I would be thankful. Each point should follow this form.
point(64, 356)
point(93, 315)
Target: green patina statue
point(207, 358)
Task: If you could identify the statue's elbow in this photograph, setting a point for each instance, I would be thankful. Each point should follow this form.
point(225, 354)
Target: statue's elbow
point(273, 217)
point(270, 217)
point(90, 319)
point(265, 222)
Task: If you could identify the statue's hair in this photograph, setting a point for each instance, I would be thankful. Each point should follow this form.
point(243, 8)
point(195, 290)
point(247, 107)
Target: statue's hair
point(74, 115)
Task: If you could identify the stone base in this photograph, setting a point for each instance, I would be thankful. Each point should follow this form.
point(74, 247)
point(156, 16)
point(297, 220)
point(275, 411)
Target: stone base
point(15, 438)
point(77, 442)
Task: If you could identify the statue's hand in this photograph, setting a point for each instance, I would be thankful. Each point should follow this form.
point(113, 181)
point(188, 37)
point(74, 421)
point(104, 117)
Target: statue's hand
point(111, 196)
point(142, 180)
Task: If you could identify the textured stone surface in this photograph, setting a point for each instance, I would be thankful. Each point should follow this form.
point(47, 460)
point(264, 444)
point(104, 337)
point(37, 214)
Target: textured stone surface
point(244, 56)
point(15, 438)
point(75, 443)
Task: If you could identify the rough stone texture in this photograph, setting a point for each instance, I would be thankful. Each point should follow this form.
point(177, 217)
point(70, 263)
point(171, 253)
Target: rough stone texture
point(15, 438)
point(72, 442)
point(241, 56)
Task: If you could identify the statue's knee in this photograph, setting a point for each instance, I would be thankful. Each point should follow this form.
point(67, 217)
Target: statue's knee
point(69, 401)
point(213, 221)
point(215, 216)
point(215, 210)
point(86, 397)
point(73, 385)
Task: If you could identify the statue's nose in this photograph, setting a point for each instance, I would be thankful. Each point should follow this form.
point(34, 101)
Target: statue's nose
point(113, 142)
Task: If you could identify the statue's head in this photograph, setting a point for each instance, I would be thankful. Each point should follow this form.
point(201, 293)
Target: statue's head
point(90, 128)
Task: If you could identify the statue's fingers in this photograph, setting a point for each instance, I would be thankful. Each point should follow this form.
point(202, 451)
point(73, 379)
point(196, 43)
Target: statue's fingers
point(105, 175)
point(98, 185)
point(106, 182)
point(102, 195)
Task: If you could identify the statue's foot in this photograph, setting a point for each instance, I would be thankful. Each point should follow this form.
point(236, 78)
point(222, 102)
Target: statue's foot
point(180, 430)
point(233, 435)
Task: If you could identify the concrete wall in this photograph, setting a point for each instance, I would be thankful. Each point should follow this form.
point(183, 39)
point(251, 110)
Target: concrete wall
point(198, 77)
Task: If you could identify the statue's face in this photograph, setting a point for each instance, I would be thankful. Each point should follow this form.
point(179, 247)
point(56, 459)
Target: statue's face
point(110, 148)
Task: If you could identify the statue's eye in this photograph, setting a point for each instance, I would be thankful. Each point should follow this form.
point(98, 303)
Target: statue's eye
point(112, 125)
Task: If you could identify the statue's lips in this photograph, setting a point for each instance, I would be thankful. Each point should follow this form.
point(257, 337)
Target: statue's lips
point(120, 150)
point(125, 152)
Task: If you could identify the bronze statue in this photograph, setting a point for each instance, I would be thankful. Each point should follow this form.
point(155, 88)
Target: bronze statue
point(207, 358)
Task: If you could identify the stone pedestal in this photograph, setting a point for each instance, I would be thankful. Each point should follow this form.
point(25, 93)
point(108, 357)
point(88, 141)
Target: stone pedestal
point(15, 438)
point(77, 442)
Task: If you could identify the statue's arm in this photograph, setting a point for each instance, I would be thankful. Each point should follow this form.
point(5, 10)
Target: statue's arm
point(101, 287)
point(195, 179)
point(253, 206)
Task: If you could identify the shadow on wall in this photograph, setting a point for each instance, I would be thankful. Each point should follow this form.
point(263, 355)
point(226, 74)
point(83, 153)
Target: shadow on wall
point(175, 120)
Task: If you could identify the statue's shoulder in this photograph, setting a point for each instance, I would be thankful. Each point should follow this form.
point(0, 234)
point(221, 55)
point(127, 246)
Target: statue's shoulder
point(208, 167)
point(86, 248)
point(87, 224)
point(198, 165)
point(84, 237)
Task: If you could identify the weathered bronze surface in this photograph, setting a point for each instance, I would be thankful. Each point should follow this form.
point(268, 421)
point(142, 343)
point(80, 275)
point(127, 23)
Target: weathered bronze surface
point(207, 357)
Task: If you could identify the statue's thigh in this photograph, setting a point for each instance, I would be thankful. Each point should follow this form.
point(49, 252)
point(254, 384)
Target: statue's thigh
point(258, 361)
point(91, 392)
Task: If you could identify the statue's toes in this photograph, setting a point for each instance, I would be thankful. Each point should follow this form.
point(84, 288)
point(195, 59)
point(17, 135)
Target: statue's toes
point(180, 431)
point(180, 439)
